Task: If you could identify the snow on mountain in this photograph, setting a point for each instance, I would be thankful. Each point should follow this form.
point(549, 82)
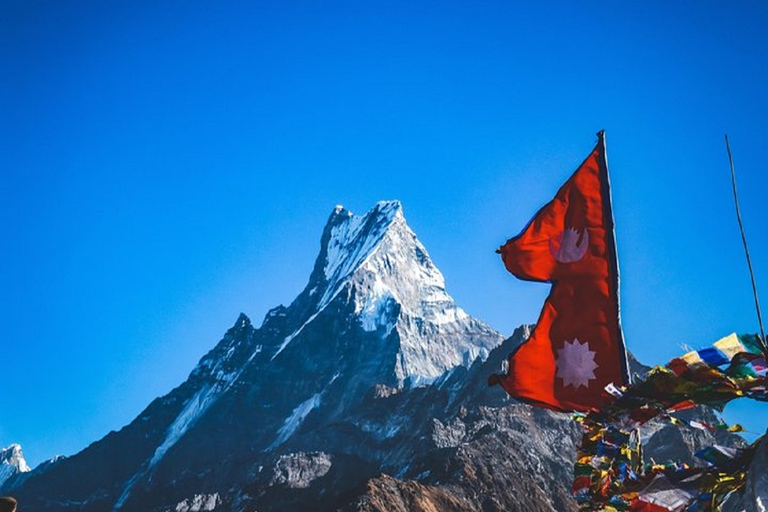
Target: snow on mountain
point(12, 462)
point(353, 240)
point(293, 422)
point(217, 371)
point(198, 503)
point(221, 374)
point(348, 242)
point(298, 415)
point(377, 260)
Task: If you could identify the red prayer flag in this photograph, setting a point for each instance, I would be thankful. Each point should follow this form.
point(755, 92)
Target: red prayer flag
point(577, 347)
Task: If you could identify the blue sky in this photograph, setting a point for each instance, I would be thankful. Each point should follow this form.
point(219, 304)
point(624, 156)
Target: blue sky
point(168, 165)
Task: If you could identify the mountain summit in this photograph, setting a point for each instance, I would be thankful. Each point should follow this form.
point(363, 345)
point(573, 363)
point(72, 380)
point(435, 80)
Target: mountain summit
point(376, 263)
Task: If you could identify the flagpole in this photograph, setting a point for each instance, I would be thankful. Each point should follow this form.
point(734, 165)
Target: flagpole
point(613, 256)
point(746, 249)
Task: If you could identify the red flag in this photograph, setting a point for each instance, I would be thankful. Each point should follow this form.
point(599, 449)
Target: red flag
point(577, 347)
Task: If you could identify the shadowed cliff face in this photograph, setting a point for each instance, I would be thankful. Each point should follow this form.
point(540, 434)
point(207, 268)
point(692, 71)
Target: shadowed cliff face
point(368, 392)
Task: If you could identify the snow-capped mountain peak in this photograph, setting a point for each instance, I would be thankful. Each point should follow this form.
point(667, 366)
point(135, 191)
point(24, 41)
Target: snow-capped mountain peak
point(348, 241)
point(12, 462)
point(378, 264)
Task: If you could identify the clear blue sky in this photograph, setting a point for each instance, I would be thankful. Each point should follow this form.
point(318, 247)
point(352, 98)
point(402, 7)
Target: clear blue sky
point(167, 165)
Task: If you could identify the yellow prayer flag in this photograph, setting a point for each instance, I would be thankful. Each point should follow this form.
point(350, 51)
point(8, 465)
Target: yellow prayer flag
point(730, 345)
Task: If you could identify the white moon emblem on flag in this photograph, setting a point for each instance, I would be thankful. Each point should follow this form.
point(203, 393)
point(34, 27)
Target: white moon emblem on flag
point(576, 364)
point(570, 245)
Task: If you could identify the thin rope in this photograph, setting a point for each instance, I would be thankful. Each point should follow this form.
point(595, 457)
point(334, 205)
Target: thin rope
point(746, 249)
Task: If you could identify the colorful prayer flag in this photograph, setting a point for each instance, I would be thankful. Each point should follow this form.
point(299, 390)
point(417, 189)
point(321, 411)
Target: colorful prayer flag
point(662, 495)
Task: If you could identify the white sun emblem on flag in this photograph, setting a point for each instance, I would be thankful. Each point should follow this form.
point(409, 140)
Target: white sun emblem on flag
point(576, 364)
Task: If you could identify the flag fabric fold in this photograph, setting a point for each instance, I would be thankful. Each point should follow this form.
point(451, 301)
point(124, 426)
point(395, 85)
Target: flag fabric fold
point(577, 347)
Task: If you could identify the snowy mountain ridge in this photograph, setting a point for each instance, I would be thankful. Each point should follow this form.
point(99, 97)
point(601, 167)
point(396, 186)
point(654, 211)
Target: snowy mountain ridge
point(348, 241)
point(377, 261)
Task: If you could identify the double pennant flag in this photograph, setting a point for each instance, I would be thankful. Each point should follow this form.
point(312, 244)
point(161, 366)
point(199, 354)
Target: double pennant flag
point(576, 349)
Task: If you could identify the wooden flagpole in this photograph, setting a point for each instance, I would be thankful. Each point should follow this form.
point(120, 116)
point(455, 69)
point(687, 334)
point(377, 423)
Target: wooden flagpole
point(746, 249)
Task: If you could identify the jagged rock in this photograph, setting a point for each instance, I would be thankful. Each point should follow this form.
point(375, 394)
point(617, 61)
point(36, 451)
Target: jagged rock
point(298, 470)
point(199, 503)
point(680, 444)
point(387, 494)
point(449, 434)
